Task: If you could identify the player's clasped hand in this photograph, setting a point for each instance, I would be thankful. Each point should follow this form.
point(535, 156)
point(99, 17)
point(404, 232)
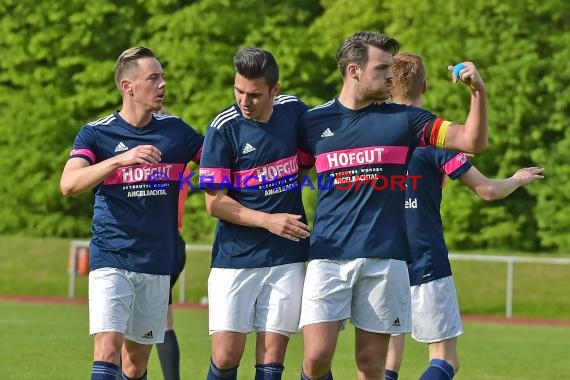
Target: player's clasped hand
point(142, 155)
point(288, 226)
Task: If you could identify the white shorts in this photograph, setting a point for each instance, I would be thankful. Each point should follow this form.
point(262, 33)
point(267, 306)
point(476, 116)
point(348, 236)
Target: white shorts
point(373, 293)
point(264, 299)
point(435, 311)
point(131, 303)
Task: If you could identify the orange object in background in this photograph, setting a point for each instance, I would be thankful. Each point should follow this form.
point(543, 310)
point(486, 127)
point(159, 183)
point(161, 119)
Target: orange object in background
point(79, 260)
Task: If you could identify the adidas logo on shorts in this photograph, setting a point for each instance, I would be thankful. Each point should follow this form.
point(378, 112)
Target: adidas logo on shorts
point(396, 322)
point(148, 335)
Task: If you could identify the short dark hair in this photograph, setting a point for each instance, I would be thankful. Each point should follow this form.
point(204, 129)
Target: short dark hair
point(355, 48)
point(253, 63)
point(127, 61)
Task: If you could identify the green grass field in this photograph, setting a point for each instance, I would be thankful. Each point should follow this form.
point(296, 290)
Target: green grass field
point(51, 342)
point(34, 266)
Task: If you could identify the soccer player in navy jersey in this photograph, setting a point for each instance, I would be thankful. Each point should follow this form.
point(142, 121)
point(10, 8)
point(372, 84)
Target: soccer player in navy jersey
point(435, 309)
point(362, 144)
point(249, 171)
point(132, 160)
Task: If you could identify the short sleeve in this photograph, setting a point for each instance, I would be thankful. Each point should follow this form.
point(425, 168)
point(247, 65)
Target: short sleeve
point(452, 164)
point(195, 143)
point(217, 157)
point(85, 145)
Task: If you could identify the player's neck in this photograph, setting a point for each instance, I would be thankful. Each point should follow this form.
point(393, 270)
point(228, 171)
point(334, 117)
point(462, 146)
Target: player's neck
point(266, 116)
point(351, 100)
point(135, 116)
point(409, 102)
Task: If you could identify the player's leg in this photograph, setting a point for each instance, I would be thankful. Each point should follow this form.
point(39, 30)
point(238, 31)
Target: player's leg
point(444, 362)
point(325, 307)
point(436, 321)
point(147, 322)
point(277, 313)
point(169, 350)
point(135, 360)
point(394, 356)
point(106, 355)
point(232, 294)
point(270, 355)
point(319, 344)
point(369, 347)
point(227, 351)
point(110, 297)
point(380, 308)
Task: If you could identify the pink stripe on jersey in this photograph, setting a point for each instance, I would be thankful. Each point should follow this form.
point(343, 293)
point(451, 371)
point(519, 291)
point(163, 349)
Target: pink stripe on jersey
point(214, 175)
point(142, 173)
point(305, 159)
point(269, 172)
point(83, 152)
point(361, 156)
point(454, 163)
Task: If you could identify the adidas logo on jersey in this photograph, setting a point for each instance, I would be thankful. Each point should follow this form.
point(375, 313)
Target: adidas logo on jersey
point(121, 147)
point(247, 149)
point(148, 335)
point(396, 322)
point(327, 133)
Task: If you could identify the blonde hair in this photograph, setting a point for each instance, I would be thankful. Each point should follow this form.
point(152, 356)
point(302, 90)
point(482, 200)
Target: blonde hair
point(127, 64)
point(409, 76)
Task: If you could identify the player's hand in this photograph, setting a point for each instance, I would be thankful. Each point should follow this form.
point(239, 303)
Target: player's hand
point(288, 226)
point(527, 175)
point(140, 155)
point(468, 75)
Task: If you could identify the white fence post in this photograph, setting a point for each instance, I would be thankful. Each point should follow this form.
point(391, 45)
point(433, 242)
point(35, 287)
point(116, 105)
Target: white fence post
point(510, 260)
point(510, 286)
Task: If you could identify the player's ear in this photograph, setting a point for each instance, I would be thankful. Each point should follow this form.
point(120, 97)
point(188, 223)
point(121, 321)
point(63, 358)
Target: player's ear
point(352, 71)
point(125, 86)
point(424, 86)
point(275, 90)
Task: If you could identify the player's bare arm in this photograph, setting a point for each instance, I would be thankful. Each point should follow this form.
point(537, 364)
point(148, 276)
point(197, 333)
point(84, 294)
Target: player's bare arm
point(222, 206)
point(79, 176)
point(493, 189)
point(473, 136)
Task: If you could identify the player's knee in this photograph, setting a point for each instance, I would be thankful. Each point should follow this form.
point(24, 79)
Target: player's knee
point(107, 349)
point(225, 359)
point(369, 364)
point(315, 363)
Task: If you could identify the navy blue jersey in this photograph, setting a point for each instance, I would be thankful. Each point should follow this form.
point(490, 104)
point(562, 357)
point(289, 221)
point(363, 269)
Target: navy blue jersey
point(423, 217)
point(258, 164)
point(361, 161)
point(135, 211)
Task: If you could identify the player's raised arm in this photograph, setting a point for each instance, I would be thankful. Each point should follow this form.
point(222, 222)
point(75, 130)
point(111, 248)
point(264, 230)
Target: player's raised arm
point(472, 136)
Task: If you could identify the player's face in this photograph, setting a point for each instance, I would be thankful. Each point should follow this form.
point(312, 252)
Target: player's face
point(375, 80)
point(149, 85)
point(254, 97)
